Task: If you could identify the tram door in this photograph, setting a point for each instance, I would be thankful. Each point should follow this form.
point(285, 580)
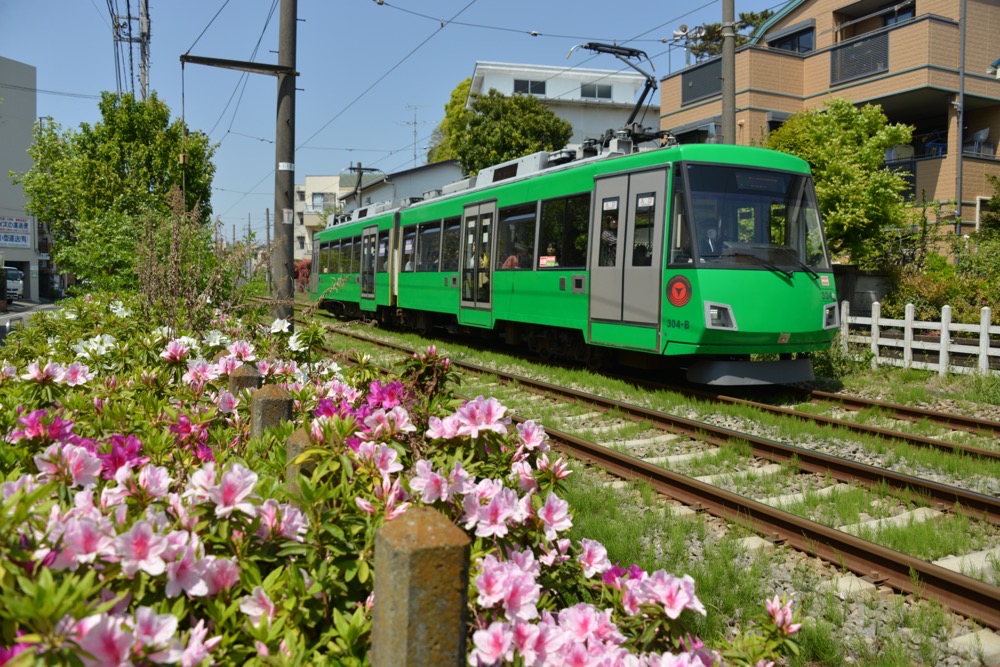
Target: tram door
point(369, 244)
point(477, 255)
point(626, 248)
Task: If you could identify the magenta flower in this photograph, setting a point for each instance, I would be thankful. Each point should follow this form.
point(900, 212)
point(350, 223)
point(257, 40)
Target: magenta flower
point(104, 641)
point(124, 451)
point(141, 549)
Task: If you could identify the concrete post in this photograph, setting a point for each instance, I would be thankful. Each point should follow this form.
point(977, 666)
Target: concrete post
point(244, 377)
point(297, 443)
point(421, 583)
point(270, 406)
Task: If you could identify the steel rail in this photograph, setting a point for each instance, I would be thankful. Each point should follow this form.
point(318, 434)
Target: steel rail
point(975, 504)
point(967, 596)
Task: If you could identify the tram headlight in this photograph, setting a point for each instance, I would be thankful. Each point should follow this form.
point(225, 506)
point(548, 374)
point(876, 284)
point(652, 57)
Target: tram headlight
point(719, 316)
point(831, 316)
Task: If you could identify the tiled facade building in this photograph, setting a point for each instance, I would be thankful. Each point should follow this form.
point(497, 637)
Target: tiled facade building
point(912, 58)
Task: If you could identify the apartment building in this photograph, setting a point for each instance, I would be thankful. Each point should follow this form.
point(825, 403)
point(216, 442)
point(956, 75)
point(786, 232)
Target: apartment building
point(931, 64)
point(591, 100)
point(24, 242)
point(315, 202)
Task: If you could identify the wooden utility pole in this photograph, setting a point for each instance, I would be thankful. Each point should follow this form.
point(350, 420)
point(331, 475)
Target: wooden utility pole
point(284, 140)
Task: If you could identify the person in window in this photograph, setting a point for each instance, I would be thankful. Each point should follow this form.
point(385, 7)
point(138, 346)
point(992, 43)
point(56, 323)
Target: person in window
point(609, 239)
point(708, 236)
point(550, 252)
point(517, 259)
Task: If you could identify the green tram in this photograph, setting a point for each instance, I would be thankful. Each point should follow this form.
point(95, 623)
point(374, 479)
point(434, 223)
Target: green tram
point(708, 254)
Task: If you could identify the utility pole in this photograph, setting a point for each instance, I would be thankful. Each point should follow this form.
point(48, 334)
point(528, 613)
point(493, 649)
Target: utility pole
point(414, 124)
point(284, 140)
point(144, 36)
point(282, 258)
point(728, 72)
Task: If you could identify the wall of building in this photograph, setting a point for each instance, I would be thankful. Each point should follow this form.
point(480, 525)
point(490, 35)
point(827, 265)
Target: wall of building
point(18, 114)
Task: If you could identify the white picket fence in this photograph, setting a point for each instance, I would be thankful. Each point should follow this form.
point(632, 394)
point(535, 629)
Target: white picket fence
point(882, 337)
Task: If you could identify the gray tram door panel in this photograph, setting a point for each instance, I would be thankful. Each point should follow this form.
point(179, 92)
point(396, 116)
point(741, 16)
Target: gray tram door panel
point(626, 248)
point(369, 246)
point(477, 255)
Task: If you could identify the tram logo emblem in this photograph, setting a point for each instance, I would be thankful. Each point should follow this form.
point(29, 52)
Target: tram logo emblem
point(679, 291)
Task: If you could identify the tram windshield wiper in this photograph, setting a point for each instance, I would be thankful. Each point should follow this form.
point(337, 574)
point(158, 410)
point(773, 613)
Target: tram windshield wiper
point(802, 265)
point(762, 262)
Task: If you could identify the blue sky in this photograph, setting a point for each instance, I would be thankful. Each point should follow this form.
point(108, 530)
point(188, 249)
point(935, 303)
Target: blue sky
point(370, 74)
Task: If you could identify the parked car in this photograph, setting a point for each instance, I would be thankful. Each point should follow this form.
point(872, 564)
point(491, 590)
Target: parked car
point(15, 283)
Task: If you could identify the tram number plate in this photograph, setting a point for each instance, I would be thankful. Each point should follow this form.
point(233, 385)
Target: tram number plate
point(678, 324)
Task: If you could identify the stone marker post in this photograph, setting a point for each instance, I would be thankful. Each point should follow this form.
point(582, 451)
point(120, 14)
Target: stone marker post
point(421, 581)
point(270, 406)
point(298, 442)
point(244, 377)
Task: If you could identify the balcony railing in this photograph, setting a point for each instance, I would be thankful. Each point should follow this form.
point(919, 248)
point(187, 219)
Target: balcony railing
point(859, 58)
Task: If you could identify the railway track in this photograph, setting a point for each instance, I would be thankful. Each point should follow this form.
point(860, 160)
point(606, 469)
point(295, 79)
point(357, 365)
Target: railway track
point(879, 565)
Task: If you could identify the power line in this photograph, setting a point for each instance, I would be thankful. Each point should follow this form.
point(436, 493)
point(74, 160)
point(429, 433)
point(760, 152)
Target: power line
point(29, 89)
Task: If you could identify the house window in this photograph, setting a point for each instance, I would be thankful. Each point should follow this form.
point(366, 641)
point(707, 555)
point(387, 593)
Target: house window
point(529, 87)
point(599, 91)
point(300, 195)
point(302, 242)
point(799, 42)
point(898, 15)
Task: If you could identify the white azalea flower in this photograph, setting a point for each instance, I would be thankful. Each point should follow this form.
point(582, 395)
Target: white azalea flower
point(294, 344)
point(280, 325)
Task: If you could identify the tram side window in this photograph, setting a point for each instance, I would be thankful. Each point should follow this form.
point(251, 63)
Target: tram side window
point(382, 258)
point(642, 240)
point(516, 237)
point(356, 255)
point(609, 232)
point(346, 252)
point(451, 241)
point(562, 242)
point(333, 258)
point(429, 246)
point(323, 263)
point(409, 249)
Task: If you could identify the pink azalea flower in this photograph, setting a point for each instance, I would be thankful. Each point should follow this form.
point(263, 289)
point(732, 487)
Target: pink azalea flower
point(554, 515)
point(175, 352)
point(493, 644)
point(87, 539)
point(199, 372)
point(104, 642)
point(442, 429)
point(155, 481)
point(782, 615)
point(221, 574)
point(533, 436)
point(242, 350)
point(365, 506)
point(233, 490)
point(430, 485)
point(70, 464)
point(491, 582)
point(50, 372)
point(227, 402)
point(665, 589)
point(228, 364)
point(294, 523)
point(197, 648)
point(154, 635)
point(258, 606)
point(481, 414)
point(199, 483)
point(186, 574)
point(594, 557)
point(141, 549)
point(75, 374)
point(493, 517)
point(521, 597)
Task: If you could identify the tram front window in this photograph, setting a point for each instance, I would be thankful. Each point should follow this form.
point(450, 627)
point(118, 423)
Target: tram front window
point(744, 217)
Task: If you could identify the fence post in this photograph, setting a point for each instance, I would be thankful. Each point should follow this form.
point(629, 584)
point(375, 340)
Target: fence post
point(421, 583)
point(944, 354)
point(985, 315)
point(269, 406)
point(845, 327)
point(908, 336)
point(876, 316)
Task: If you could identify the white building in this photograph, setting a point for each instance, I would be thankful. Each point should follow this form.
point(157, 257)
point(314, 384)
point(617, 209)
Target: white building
point(591, 100)
point(315, 201)
point(19, 233)
point(395, 188)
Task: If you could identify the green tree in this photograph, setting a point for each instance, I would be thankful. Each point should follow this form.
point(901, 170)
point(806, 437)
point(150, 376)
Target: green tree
point(989, 224)
point(90, 185)
point(454, 123)
point(502, 128)
point(858, 196)
point(710, 43)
